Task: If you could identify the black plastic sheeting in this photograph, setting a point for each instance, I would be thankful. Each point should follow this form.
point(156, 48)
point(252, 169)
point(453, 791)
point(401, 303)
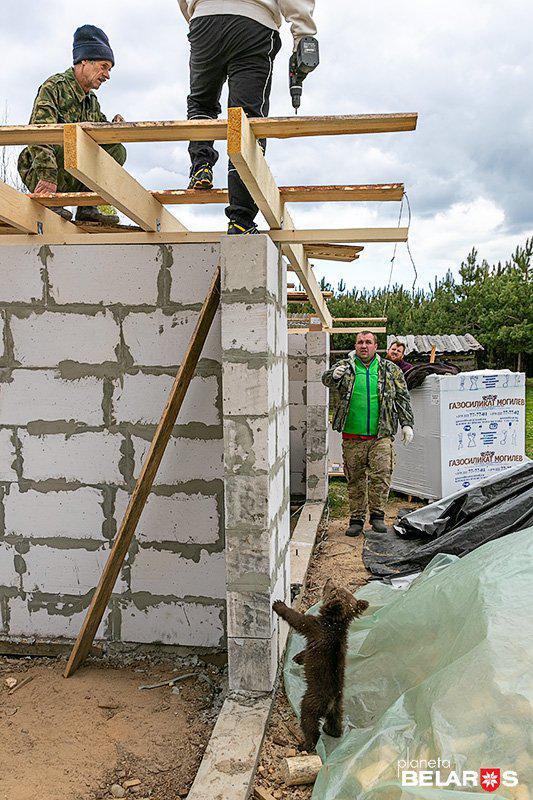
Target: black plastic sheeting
point(418, 373)
point(457, 524)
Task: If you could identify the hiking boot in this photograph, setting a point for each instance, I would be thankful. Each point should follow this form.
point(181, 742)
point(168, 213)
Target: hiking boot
point(63, 212)
point(202, 178)
point(377, 521)
point(92, 214)
point(355, 527)
point(238, 230)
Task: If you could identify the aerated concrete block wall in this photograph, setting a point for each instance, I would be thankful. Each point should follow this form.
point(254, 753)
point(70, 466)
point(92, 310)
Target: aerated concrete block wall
point(308, 407)
point(256, 456)
point(92, 338)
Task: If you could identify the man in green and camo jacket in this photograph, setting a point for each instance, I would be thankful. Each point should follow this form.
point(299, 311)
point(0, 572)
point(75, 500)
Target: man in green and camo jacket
point(69, 97)
point(373, 397)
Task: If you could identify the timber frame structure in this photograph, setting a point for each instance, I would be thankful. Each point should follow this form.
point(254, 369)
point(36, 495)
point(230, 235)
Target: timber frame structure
point(27, 219)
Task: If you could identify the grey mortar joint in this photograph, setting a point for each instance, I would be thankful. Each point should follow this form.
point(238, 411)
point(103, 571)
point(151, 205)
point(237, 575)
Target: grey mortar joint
point(107, 403)
point(2, 511)
point(8, 356)
point(164, 277)
point(18, 463)
point(126, 464)
point(109, 525)
point(45, 252)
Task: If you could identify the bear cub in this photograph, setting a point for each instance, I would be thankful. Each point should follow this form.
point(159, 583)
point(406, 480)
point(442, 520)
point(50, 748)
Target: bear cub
point(323, 658)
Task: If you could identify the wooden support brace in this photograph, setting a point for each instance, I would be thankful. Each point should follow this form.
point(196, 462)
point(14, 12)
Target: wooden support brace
point(145, 480)
point(92, 165)
point(28, 216)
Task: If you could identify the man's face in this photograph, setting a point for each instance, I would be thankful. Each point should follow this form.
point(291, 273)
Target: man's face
point(95, 73)
point(365, 346)
point(395, 352)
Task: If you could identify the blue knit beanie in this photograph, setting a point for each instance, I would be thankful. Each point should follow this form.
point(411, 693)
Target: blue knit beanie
point(92, 44)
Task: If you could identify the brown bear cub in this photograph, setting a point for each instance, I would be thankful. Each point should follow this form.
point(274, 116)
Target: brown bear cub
point(324, 659)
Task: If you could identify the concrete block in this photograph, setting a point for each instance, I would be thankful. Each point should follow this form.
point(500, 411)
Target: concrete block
point(245, 326)
point(185, 624)
point(86, 457)
point(44, 340)
point(51, 620)
point(276, 493)
point(297, 484)
point(55, 571)
point(68, 515)
point(248, 264)
point(246, 501)
point(104, 274)
point(157, 339)
point(297, 392)
point(297, 366)
point(248, 445)
point(184, 460)
point(7, 455)
point(317, 344)
point(192, 268)
point(317, 394)
point(317, 418)
point(244, 389)
point(8, 574)
point(40, 395)
point(142, 398)
point(315, 370)
point(24, 266)
point(297, 344)
point(249, 614)
point(183, 518)
point(252, 663)
point(163, 573)
point(275, 384)
point(316, 441)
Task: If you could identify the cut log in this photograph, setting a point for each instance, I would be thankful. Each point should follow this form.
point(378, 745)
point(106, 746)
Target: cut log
point(300, 770)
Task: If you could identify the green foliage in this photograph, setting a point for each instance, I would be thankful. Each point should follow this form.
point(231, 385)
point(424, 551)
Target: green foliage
point(493, 303)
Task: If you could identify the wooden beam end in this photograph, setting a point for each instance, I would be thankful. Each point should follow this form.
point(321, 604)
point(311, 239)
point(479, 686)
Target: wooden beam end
point(70, 146)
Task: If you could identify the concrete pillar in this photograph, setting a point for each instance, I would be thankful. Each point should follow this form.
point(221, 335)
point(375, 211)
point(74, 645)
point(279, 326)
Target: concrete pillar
point(256, 456)
point(317, 416)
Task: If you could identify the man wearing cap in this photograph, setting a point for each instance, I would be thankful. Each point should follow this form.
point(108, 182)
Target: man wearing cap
point(69, 97)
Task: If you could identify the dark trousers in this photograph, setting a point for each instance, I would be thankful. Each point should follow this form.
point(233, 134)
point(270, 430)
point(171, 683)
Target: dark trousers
point(241, 50)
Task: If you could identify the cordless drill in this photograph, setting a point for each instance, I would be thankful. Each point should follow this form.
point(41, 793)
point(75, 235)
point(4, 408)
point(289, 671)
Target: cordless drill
point(303, 61)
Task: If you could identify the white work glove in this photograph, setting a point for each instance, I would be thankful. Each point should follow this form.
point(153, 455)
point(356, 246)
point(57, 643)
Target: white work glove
point(407, 434)
point(339, 371)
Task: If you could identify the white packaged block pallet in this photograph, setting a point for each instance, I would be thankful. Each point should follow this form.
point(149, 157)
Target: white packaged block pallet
point(467, 428)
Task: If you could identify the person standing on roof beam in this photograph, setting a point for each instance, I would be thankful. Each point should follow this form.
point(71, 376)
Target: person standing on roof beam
point(237, 41)
point(69, 97)
point(373, 397)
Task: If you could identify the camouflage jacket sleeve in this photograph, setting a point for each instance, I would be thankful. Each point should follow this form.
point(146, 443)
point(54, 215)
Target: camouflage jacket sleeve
point(403, 400)
point(45, 111)
point(327, 377)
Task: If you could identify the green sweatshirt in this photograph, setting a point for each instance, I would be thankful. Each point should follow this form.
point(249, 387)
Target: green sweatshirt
point(363, 412)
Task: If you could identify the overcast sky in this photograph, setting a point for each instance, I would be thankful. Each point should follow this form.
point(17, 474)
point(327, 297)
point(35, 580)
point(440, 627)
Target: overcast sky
point(466, 66)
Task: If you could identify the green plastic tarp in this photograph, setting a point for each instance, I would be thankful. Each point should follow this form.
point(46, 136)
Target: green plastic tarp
point(442, 669)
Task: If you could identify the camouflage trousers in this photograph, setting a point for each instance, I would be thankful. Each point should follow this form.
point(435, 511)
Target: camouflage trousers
point(65, 181)
point(368, 465)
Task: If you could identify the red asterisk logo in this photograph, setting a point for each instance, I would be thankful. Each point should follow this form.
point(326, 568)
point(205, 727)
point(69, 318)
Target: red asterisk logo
point(489, 779)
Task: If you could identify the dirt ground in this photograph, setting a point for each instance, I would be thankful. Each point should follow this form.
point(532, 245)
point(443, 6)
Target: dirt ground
point(75, 739)
point(338, 557)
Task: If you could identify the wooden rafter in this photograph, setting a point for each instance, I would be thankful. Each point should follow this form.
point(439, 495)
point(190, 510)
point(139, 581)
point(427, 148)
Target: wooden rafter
point(22, 213)
point(333, 252)
point(289, 194)
point(249, 161)
point(92, 165)
point(200, 130)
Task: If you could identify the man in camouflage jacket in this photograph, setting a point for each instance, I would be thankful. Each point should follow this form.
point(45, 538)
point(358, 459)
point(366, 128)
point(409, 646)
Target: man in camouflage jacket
point(372, 399)
point(69, 97)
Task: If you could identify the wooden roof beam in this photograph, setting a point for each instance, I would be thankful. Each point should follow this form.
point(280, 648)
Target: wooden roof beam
point(201, 130)
point(25, 215)
point(249, 161)
point(92, 165)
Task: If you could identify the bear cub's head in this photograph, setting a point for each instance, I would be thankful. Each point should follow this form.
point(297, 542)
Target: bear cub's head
point(340, 603)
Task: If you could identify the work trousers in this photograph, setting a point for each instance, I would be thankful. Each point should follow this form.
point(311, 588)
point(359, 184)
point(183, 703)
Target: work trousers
point(368, 466)
point(65, 181)
point(241, 50)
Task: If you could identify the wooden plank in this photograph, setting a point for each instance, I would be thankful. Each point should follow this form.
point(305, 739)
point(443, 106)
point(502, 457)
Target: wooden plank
point(200, 130)
point(333, 252)
point(302, 297)
point(249, 161)
point(289, 194)
point(357, 329)
point(92, 165)
point(21, 212)
point(359, 319)
point(340, 235)
point(289, 238)
point(145, 480)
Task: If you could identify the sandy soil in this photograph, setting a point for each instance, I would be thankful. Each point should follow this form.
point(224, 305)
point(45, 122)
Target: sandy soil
point(338, 557)
point(74, 739)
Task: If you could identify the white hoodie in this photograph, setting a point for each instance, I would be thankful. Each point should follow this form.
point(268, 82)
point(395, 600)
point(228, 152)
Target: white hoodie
point(299, 13)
